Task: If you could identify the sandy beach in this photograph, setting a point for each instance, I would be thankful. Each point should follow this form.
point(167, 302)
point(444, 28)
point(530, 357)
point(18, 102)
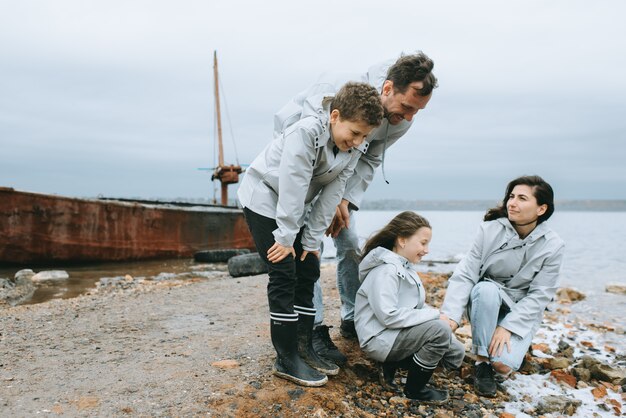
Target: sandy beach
point(201, 347)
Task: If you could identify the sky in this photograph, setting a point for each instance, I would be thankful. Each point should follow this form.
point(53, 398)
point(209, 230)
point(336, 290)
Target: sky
point(115, 98)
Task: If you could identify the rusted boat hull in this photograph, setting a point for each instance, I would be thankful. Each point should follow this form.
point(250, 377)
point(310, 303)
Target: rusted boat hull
point(48, 229)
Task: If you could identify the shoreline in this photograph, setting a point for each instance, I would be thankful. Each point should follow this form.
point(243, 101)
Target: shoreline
point(201, 346)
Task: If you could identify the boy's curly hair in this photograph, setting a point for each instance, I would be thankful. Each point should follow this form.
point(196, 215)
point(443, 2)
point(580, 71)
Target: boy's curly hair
point(359, 102)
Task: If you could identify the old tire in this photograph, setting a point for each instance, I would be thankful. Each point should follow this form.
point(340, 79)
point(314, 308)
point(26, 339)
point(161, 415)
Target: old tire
point(246, 265)
point(218, 256)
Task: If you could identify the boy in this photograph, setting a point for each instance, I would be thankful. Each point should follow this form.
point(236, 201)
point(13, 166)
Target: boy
point(289, 196)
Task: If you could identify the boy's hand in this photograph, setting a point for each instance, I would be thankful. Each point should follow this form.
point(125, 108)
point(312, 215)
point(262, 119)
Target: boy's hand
point(305, 253)
point(453, 324)
point(278, 252)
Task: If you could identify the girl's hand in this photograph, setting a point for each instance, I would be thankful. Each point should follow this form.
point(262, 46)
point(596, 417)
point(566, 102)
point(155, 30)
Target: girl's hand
point(278, 252)
point(500, 338)
point(453, 325)
point(305, 253)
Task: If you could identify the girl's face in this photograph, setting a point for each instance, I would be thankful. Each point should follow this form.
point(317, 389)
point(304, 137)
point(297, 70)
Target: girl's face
point(414, 247)
point(522, 205)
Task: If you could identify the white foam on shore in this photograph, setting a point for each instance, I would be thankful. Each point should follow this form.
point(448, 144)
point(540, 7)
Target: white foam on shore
point(527, 390)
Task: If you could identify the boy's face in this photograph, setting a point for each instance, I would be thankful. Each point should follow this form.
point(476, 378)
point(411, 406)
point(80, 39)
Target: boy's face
point(346, 133)
point(402, 106)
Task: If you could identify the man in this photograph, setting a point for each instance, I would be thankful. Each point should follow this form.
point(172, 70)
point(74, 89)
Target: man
point(405, 86)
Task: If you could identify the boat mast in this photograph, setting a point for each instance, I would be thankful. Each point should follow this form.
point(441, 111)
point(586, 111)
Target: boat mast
point(226, 174)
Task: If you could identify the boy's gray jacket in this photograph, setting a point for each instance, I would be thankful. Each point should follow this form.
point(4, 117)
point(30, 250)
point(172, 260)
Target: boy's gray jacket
point(526, 270)
point(377, 141)
point(391, 297)
point(295, 168)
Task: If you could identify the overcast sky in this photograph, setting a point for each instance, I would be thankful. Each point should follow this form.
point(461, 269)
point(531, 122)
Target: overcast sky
point(116, 97)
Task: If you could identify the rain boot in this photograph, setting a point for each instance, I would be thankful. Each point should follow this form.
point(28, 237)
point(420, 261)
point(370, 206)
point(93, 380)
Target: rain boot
point(288, 363)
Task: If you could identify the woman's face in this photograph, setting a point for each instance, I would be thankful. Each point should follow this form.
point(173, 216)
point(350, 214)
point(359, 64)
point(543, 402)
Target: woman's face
point(415, 247)
point(522, 205)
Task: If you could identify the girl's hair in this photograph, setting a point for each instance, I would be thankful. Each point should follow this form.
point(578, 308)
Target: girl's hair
point(541, 190)
point(403, 225)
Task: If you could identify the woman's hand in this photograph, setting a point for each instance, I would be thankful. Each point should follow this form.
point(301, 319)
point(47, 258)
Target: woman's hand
point(500, 338)
point(305, 253)
point(278, 252)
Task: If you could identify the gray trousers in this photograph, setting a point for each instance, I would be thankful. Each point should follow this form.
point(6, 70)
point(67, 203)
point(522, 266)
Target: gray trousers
point(429, 343)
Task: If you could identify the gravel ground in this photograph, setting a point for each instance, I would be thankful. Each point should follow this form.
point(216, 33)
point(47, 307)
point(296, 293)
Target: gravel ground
point(193, 347)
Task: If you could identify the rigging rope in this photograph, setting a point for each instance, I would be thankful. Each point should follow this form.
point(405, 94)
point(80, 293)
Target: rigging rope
point(230, 125)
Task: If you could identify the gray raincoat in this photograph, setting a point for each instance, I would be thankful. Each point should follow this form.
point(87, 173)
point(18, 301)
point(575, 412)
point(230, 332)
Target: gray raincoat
point(526, 270)
point(391, 297)
point(298, 176)
point(374, 146)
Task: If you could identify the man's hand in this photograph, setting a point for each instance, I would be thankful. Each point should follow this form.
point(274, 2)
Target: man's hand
point(305, 253)
point(500, 338)
point(340, 220)
point(278, 252)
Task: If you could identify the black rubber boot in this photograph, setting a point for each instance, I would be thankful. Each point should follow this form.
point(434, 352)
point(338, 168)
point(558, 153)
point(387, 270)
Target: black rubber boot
point(288, 363)
point(305, 347)
point(324, 346)
point(416, 389)
point(387, 374)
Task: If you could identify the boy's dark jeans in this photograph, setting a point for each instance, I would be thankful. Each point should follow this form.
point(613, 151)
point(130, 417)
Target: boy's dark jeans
point(290, 281)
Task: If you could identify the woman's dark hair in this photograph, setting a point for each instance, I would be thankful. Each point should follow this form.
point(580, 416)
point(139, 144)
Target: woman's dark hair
point(403, 225)
point(541, 190)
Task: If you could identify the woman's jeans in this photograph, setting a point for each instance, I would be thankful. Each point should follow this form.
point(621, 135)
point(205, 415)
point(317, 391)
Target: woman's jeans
point(486, 311)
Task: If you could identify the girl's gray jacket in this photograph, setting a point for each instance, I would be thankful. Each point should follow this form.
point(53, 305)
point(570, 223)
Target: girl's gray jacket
point(298, 175)
point(391, 297)
point(373, 148)
point(526, 270)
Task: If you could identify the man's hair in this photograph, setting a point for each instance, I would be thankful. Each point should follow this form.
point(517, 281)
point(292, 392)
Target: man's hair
point(411, 68)
point(358, 102)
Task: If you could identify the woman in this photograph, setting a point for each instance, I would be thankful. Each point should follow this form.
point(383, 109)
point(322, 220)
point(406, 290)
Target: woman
point(507, 279)
point(393, 324)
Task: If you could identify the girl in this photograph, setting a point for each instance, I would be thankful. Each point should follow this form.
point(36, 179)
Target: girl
point(302, 173)
point(393, 324)
point(507, 279)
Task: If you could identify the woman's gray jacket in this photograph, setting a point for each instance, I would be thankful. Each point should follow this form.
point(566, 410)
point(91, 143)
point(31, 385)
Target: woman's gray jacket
point(373, 149)
point(298, 175)
point(526, 270)
point(391, 297)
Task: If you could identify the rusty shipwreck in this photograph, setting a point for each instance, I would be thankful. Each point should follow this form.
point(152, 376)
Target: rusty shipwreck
point(49, 229)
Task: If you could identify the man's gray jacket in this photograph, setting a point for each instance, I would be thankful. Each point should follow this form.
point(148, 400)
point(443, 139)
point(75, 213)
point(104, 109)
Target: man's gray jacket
point(376, 142)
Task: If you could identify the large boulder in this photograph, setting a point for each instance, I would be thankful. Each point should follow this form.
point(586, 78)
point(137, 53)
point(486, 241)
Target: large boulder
point(218, 256)
point(246, 265)
point(17, 290)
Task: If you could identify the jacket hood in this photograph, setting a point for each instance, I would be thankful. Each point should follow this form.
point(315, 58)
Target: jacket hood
point(379, 256)
point(318, 106)
point(539, 231)
point(377, 73)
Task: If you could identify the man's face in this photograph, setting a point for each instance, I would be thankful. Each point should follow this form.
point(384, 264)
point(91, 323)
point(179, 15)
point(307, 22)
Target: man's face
point(403, 106)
